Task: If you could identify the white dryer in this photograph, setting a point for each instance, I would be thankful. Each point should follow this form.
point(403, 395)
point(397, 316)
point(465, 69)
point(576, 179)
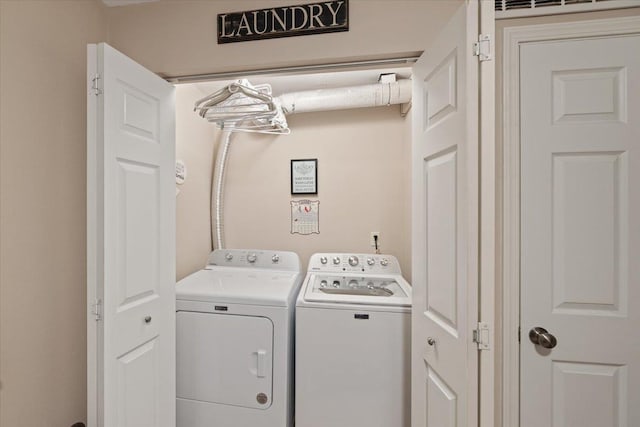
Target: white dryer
point(353, 332)
point(234, 327)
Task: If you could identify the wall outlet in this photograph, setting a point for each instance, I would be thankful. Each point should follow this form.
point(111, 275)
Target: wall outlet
point(372, 239)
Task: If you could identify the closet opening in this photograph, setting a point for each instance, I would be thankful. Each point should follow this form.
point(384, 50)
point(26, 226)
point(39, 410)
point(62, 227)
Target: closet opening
point(349, 119)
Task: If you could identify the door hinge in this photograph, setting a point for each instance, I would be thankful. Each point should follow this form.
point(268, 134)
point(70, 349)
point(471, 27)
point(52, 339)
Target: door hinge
point(96, 309)
point(482, 48)
point(481, 336)
point(95, 84)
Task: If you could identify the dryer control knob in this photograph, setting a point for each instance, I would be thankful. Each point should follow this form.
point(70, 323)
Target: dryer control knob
point(371, 261)
point(275, 258)
point(323, 260)
point(384, 262)
point(252, 258)
point(228, 257)
point(353, 261)
point(336, 260)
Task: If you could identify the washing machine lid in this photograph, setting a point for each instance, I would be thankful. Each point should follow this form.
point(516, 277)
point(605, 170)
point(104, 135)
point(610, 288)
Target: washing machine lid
point(240, 286)
point(358, 289)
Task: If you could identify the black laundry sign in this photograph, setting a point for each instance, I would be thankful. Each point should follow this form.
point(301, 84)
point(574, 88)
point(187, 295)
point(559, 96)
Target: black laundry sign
point(299, 20)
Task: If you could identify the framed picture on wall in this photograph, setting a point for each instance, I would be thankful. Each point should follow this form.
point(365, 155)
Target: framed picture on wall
point(304, 176)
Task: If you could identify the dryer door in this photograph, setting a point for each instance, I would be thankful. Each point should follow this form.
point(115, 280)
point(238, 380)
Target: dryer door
point(224, 359)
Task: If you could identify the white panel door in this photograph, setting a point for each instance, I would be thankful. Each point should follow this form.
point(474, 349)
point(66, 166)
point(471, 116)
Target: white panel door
point(580, 225)
point(131, 244)
point(445, 227)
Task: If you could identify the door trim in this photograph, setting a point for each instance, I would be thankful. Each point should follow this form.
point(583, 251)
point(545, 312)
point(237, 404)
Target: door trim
point(488, 225)
point(513, 37)
point(94, 328)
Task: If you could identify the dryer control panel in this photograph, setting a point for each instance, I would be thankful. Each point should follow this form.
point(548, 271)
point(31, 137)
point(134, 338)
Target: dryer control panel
point(256, 258)
point(354, 263)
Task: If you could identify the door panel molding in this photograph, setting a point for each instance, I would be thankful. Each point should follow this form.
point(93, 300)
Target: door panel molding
point(513, 38)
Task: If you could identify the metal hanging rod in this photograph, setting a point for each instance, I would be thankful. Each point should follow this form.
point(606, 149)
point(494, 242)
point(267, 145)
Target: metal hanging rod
point(296, 69)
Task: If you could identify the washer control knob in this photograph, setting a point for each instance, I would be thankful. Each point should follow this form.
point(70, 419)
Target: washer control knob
point(275, 258)
point(252, 258)
point(353, 261)
point(228, 256)
point(323, 260)
point(371, 261)
point(323, 283)
point(336, 260)
point(384, 262)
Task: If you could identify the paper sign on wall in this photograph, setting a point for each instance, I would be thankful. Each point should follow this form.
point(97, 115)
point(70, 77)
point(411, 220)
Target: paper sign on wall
point(305, 217)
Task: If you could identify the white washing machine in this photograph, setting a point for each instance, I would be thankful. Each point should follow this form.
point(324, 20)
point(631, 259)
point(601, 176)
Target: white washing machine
point(234, 327)
point(353, 332)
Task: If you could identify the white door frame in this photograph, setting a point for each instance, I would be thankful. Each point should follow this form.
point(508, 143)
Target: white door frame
point(488, 221)
point(513, 38)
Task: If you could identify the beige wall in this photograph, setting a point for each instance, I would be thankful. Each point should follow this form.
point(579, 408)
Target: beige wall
point(363, 156)
point(42, 209)
point(178, 37)
point(195, 141)
point(366, 150)
point(363, 183)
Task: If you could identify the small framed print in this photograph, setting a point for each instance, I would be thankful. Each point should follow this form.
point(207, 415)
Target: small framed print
point(304, 176)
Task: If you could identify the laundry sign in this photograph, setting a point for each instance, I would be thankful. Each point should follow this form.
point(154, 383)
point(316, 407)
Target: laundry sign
point(287, 21)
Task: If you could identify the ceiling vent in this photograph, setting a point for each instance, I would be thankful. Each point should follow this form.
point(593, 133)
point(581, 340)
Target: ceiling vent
point(517, 8)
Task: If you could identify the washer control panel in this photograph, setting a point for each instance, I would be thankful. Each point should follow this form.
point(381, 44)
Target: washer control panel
point(354, 263)
point(257, 258)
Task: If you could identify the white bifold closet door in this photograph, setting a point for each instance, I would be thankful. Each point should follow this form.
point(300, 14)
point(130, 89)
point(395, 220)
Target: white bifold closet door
point(131, 243)
point(445, 177)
